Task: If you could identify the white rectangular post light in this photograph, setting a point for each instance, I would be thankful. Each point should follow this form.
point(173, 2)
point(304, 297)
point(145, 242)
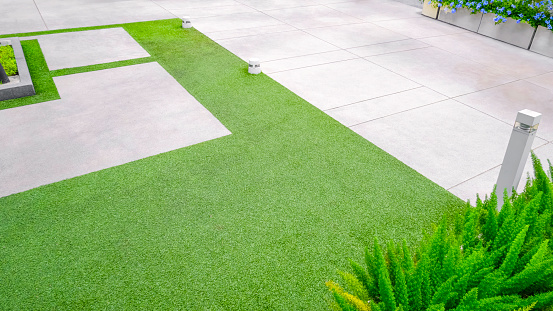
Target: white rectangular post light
point(520, 143)
point(186, 23)
point(254, 66)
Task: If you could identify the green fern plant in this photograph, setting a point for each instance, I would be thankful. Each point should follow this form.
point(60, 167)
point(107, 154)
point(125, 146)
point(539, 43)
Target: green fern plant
point(488, 260)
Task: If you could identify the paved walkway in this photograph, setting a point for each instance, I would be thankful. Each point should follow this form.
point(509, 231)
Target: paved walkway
point(439, 98)
point(103, 118)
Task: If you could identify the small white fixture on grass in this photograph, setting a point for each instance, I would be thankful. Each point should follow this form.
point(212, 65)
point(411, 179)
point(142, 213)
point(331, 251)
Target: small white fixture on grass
point(520, 143)
point(186, 23)
point(254, 66)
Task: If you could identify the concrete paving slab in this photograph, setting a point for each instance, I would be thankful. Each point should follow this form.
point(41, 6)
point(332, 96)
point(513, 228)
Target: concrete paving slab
point(504, 101)
point(211, 11)
point(96, 126)
point(341, 83)
point(60, 15)
point(23, 16)
point(277, 4)
point(306, 61)
point(388, 47)
point(276, 46)
point(246, 32)
point(514, 60)
point(442, 71)
point(375, 10)
point(312, 17)
point(355, 35)
point(83, 48)
point(191, 4)
point(420, 27)
point(354, 114)
point(483, 184)
point(447, 142)
point(545, 80)
point(234, 22)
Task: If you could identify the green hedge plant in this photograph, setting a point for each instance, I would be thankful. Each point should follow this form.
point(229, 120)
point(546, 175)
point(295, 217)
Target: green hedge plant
point(7, 59)
point(485, 260)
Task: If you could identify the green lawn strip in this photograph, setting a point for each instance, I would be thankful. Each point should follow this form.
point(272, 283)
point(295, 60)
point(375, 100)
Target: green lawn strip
point(257, 220)
point(74, 70)
point(42, 79)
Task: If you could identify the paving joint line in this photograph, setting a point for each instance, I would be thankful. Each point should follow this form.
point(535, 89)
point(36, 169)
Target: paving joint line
point(41, 17)
point(225, 39)
point(364, 100)
point(424, 47)
point(399, 112)
point(159, 5)
point(473, 177)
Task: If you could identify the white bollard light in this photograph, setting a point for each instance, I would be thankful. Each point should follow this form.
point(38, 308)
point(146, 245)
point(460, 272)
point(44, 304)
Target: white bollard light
point(254, 66)
point(186, 23)
point(520, 143)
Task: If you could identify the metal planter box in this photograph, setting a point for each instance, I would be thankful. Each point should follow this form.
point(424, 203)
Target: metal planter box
point(516, 34)
point(543, 42)
point(429, 11)
point(461, 18)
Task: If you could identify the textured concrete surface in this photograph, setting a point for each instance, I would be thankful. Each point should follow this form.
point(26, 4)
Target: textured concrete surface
point(341, 83)
point(447, 141)
point(83, 48)
point(58, 14)
point(96, 126)
point(439, 98)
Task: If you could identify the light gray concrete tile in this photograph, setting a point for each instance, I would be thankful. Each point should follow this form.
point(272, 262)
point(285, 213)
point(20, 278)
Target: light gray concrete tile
point(237, 33)
point(337, 84)
point(515, 61)
point(368, 110)
point(211, 11)
point(377, 10)
point(447, 142)
point(545, 80)
point(355, 35)
point(234, 22)
point(276, 46)
point(388, 47)
point(483, 184)
point(306, 61)
point(444, 72)
point(277, 4)
point(19, 17)
point(192, 4)
point(104, 118)
point(420, 27)
point(312, 17)
point(503, 102)
point(60, 15)
point(83, 48)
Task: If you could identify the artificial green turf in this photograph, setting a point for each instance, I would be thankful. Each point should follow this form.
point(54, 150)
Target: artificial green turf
point(74, 70)
point(257, 220)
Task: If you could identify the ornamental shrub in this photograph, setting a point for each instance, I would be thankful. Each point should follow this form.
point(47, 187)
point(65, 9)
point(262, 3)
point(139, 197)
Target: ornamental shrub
point(7, 59)
point(486, 260)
